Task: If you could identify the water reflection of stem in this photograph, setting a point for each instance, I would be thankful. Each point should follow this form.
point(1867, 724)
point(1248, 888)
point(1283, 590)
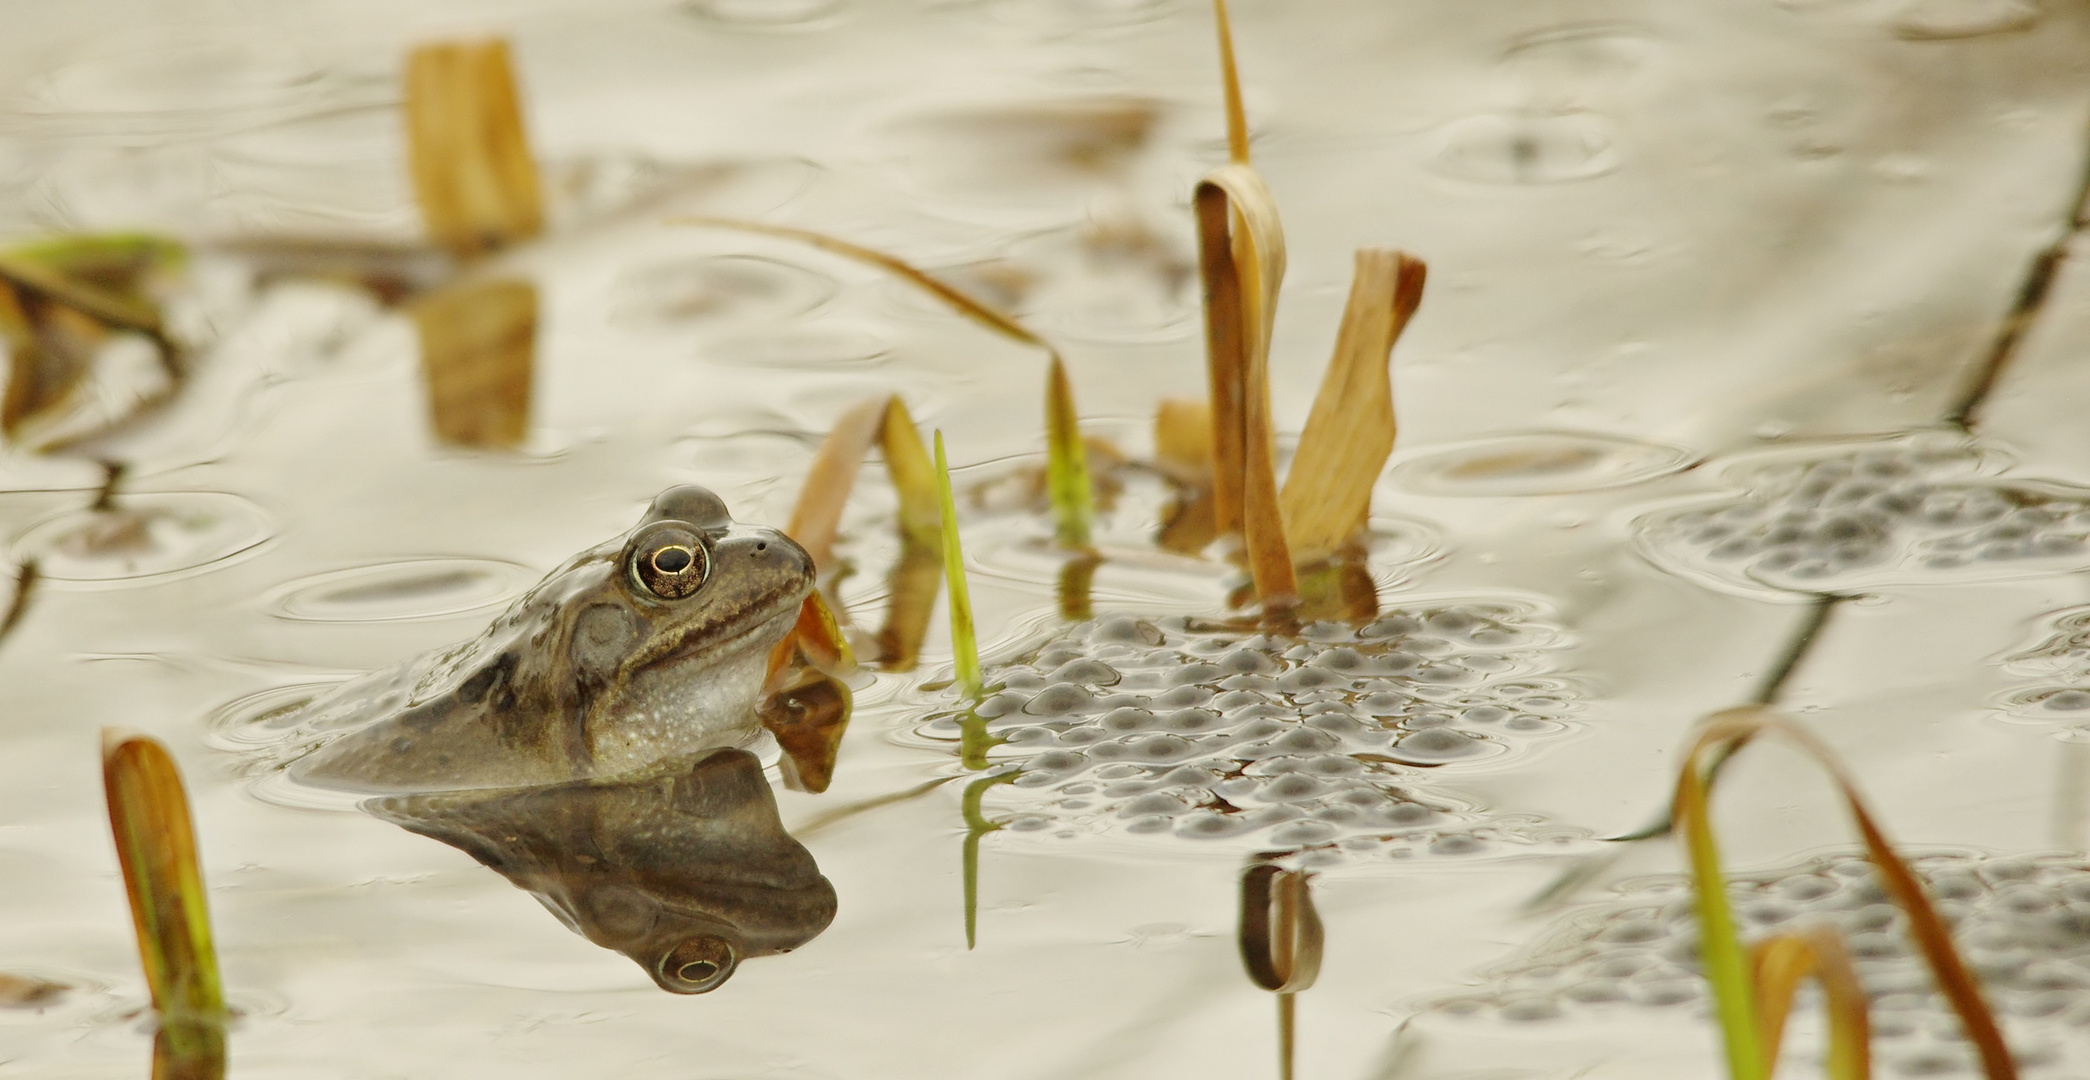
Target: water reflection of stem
point(976, 826)
point(25, 585)
point(1287, 1029)
point(188, 1050)
point(2032, 292)
point(973, 741)
point(1077, 576)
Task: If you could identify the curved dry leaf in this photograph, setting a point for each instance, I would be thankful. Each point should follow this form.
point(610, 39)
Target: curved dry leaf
point(817, 516)
point(1280, 932)
point(1727, 729)
point(1327, 495)
point(1780, 962)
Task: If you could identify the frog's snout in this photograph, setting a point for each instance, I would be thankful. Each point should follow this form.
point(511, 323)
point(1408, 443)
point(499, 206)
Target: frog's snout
point(773, 554)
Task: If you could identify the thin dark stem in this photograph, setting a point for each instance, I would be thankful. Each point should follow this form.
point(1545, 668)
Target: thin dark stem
point(25, 584)
point(112, 478)
point(1796, 648)
point(2032, 293)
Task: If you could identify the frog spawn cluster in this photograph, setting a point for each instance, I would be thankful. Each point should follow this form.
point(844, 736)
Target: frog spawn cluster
point(2061, 660)
point(1901, 512)
point(2023, 925)
point(1208, 730)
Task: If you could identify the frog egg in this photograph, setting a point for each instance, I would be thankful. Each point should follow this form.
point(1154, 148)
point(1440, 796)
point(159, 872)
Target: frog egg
point(1303, 832)
point(1260, 684)
point(1291, 787)
point(1247, 661)
point(1457, 844)
point(1385, 703)
point(1309, 678)
point(1152, 804)
point(1304, 740)
point(1149, 825)
point(1087, 672)
point(1000, 704)
point(1154, 748)
point(1123, 720)
point(1183, 697)
point(1030, 736)
point(1434, 746)
point(1063, 762)
point(1082, 736)
point(1196, 674)
point(1127, 630)
point(1058, 699)
point(1187, 721)
point(1211, 825)
point(1339, 660)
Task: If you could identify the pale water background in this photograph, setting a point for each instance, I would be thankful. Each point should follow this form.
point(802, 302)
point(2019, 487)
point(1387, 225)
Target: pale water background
point(1723, 231)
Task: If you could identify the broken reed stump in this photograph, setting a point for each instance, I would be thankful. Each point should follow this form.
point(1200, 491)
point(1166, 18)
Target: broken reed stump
point(473, 175)
point(478, 345)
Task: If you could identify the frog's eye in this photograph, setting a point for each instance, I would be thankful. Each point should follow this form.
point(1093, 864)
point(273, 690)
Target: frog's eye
point(670, 561)
point(698, 965)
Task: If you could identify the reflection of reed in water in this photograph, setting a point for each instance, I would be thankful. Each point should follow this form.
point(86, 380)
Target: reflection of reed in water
point(687, 871)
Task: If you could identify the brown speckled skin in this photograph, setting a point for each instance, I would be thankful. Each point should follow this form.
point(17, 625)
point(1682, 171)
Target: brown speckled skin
point(587, 675)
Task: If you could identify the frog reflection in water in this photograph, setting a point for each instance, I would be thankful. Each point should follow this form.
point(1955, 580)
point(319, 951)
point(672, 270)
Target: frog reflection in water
point(642, 649)
point(586, 745)
point(687, 870)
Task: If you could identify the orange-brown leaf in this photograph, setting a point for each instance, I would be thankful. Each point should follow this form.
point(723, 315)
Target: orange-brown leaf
point(470, 158)
point(1350, 432)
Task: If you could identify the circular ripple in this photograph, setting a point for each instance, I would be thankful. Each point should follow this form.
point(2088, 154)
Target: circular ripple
point(148, 537)
point(263, 720)
point(408, 589)
point(763, 14)
point(1538, 463)
point(719, 288)
point(800, 349)
point(1526, 148)
point(1941, 20)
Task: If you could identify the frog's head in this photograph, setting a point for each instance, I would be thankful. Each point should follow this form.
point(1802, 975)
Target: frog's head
point(681, 625)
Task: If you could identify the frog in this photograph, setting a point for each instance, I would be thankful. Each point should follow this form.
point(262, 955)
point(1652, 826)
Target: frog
point(647, 647)
point(684, 868)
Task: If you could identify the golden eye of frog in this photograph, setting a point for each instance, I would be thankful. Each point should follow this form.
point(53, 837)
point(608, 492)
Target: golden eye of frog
point(650, 646)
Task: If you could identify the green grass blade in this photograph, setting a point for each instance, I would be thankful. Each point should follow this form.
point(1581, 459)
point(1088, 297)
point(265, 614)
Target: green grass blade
point(965, 648)
point(1726, 965)
point(1066, 464)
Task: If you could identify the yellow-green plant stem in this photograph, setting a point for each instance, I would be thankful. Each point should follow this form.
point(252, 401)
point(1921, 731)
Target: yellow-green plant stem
point(976, 826)
point(1726, 965)
point(965, 649)
point(1066, 463)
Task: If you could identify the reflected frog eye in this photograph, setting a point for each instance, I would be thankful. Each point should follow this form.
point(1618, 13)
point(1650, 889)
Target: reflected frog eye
point(670, 561)
point(698, 965)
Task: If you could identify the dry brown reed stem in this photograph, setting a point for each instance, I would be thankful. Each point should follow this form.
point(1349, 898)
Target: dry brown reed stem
point(1732, 727)
point(1781, 962)
point(473, 174)
point(1230, 86)
point(156, 846)
point(965, 305)
point(1241, 262)
point(1327, 495)
point(478, 346)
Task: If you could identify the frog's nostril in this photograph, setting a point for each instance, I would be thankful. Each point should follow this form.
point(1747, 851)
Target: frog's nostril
point(762, 545)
